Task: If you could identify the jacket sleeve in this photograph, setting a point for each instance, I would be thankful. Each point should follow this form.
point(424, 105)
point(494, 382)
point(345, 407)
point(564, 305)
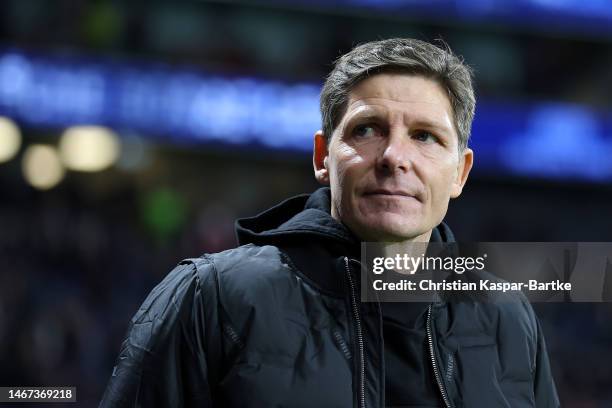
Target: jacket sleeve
point(544, 384)
point(163, 359)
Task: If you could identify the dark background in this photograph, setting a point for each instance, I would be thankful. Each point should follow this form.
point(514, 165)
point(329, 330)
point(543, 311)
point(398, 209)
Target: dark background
point(77, 260)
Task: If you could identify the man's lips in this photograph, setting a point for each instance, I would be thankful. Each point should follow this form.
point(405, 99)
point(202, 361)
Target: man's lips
point(391, 193)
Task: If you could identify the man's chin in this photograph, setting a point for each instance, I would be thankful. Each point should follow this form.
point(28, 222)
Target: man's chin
point(389, 231)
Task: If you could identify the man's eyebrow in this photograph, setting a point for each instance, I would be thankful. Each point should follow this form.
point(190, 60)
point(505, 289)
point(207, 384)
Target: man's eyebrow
point(433, 125)
point(366, 116)
point(367, 113)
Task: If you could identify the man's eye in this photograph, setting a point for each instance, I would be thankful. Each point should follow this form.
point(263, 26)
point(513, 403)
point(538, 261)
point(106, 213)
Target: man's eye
point(366, 131)
point(426, 137)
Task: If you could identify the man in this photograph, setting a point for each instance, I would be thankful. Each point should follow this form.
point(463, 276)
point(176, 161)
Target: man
point(278, 321)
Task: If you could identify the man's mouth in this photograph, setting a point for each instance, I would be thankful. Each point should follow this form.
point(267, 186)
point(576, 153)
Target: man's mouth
point(391, 193)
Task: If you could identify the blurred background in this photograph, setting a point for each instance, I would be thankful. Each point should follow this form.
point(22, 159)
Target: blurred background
point(132, 135)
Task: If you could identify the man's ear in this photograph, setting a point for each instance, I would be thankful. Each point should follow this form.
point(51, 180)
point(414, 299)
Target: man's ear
point(319, 158)
point(463, 170)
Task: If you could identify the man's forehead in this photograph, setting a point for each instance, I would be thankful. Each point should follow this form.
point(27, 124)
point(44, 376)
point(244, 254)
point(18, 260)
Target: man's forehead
point(390, 88)
point(389, 96)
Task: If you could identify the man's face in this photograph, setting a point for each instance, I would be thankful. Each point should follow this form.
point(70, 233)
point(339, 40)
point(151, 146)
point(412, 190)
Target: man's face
point(393, 161)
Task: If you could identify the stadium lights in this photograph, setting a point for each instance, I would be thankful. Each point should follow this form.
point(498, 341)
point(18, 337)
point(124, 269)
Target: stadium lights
point(89, 148)
point(10, 139)
point(42, 167)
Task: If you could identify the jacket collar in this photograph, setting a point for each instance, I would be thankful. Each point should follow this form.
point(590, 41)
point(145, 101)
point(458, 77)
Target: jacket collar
point(303, 217)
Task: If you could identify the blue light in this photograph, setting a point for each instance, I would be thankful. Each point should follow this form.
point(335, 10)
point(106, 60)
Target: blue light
point(549, 140)
point(169, 104)
point(559, 141)
point(582, 16)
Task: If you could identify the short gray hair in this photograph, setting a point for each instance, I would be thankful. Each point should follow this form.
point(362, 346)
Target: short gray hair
point(403, 55)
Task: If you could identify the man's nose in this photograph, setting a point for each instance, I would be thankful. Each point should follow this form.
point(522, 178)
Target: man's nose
point(396, 152)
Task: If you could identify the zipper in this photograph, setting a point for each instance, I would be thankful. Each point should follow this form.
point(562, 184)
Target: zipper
point(359, 334)
point(447, 403)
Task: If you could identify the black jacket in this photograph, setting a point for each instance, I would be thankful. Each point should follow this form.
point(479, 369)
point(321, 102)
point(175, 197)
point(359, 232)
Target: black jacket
point(278, 322)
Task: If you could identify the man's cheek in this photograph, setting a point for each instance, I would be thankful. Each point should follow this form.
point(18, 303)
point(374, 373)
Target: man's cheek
point(342, 179)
